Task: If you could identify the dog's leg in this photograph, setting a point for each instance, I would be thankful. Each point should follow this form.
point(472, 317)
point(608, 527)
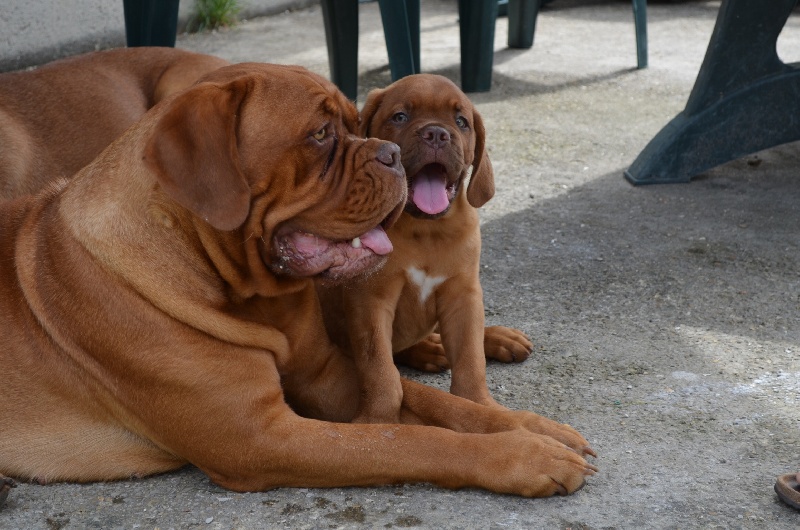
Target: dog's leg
point(265, 444)
point(460, 315)
point(328, 388)
point(297, 452)
point(369, 327)
point(462, 415)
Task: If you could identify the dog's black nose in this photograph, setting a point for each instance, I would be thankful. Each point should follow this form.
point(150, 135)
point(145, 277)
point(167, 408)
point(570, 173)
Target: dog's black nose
point(435, 136)
point(389, 155)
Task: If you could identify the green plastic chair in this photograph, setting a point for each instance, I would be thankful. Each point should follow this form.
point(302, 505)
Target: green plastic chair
point(477, 35)
point(401, 30)
point(476, 22)
point(150, 22)
point(522, 24)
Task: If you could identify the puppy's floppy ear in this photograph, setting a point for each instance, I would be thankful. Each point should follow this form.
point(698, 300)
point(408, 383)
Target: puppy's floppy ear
point(193, 153)
point(371, 106)
point(481, 184)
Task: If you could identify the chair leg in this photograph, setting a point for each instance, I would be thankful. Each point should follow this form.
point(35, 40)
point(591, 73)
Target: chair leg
point(476, 23)
point(151, 22)
point(640, 21)
point(522, 16)
point(340, 18)
point(413, 14)
point(401, 28)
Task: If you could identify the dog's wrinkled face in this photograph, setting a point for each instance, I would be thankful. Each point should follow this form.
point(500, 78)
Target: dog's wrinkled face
point(441, 137)
point(270, 151)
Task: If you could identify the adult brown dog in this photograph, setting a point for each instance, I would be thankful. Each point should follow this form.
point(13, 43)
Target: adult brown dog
point(159, 309)
point(431, 279)
point(59, 117)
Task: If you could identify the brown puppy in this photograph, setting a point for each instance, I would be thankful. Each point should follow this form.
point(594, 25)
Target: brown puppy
point(160, 309)
point(431, 279)
point(57, 118)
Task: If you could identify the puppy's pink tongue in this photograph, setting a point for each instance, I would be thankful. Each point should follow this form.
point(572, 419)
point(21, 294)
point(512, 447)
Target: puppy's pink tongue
point(377, 241)
point(429, 193)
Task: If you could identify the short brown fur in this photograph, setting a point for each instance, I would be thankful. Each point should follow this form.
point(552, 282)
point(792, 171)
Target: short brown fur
point(59, 117)
point(148, 326)
point(430, 281)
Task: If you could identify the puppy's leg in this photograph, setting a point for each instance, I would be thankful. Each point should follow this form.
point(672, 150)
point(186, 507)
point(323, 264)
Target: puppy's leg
point(460, 315)
point(369, 327)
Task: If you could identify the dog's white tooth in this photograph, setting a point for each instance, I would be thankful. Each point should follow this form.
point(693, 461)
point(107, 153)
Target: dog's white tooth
point(356, 242)
point(469, 171)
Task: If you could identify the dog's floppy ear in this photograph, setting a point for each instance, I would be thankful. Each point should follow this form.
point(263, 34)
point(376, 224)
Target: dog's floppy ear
point(371, 106)
point(193, 153)
point(481, 184)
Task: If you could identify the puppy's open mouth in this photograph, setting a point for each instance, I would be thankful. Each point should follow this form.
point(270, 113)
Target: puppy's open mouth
point(303, 254)
point(429, 192)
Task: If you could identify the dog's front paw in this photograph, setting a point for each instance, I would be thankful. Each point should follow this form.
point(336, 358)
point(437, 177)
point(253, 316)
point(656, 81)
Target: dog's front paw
point(427, 355)
point(558, 431)
point(540, 466)
point(506, 345)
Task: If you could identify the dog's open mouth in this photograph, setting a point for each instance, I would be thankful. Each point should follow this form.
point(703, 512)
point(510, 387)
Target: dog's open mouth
point(429, 192)
point(298, 253)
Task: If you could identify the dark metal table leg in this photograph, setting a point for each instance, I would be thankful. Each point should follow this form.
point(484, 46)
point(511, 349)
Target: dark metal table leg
point(745, 98)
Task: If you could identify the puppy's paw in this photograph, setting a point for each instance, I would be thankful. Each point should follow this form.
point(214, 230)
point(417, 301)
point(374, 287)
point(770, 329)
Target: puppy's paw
point(506, 345)
point(427, 355)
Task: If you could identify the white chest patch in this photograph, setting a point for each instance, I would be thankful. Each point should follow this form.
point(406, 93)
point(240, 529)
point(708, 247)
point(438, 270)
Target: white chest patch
point(426, 284)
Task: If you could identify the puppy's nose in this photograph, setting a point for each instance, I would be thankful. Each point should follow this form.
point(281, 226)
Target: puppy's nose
point(389, 155)
point(435, 136)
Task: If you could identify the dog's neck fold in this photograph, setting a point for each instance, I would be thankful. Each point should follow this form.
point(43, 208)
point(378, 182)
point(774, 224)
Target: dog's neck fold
point(199, 275)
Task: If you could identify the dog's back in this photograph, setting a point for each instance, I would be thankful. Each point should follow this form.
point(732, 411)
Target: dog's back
point(57, 118)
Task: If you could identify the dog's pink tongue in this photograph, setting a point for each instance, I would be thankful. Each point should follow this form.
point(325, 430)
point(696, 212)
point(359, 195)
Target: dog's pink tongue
point(428, 191)
point(377, 241)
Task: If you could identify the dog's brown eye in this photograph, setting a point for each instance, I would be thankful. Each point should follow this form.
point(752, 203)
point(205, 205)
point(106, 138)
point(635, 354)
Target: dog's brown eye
point(400, 117)
point(321, 134)
point(461, 121)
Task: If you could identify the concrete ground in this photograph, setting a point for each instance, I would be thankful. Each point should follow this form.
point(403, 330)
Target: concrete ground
point(666, 318)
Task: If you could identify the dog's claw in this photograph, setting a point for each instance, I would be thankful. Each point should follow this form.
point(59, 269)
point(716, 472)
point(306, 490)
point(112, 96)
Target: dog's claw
point(562, 491)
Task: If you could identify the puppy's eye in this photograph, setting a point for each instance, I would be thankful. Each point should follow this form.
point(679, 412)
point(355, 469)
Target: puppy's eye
point(461, 121)
point(321, 134)
point(400, 117)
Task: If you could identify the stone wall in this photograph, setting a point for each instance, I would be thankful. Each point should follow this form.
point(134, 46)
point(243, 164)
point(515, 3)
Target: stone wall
point(37, 31)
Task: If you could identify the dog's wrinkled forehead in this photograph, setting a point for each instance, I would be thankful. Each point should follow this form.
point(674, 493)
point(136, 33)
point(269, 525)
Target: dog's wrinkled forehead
point(430, 93)
point(291, 90)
